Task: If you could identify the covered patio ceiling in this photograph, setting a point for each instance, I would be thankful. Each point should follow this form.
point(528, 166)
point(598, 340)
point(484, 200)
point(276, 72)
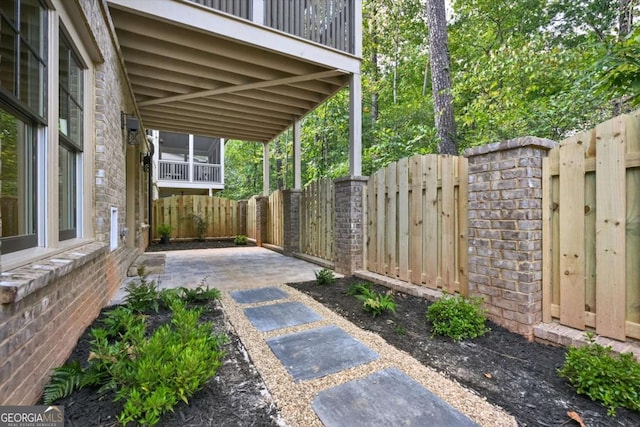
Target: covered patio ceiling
point(189, 78)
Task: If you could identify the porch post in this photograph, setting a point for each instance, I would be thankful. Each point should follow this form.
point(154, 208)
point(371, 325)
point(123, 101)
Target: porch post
point(222, 141)
point(355, 125)
point(190, 160)
point(265, 169)
point(297, 171)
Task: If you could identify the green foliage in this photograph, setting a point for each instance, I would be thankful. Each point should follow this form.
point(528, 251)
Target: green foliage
point(151, 375)
point(325, 277)
point(372, 301)
point(358, 289)
point(142, 295)
point(241, 240)
point(165, 230)
point(198, 294)
point(458, 317)
point(619, 69)
point(400, 330)
point(596, 372)
point(201, 224)
point(64, 380)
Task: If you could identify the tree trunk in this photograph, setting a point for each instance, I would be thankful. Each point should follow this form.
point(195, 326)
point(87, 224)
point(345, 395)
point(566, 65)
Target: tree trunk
point(441, 78)
point(625, 18)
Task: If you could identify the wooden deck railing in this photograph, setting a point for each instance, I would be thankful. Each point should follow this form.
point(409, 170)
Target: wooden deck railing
point(328, 22)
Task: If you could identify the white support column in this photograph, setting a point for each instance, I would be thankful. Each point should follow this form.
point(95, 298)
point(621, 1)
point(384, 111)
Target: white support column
point(357, 28)
point(265, 169)
point(355, 125)
point(191, 177)
point(297, 156)
point(222, 141)
point(257, 8)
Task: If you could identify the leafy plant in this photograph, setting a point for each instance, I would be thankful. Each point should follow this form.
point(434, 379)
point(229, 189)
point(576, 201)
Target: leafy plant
point(240, 240)
point(325, 277)
point(201, 224)
point(199, 294)
point(377, 303)
point(151, 375)
point(358, 289)
point(142, 295)
point(400, 330)
point(165, 230)
point(596, 372)
point(458, 317)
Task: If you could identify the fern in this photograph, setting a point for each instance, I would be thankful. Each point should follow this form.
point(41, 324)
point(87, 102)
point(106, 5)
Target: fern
point(64, 380)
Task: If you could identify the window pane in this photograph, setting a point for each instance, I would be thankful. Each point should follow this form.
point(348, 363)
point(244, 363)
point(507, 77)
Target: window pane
point(32, 18)
point(75, 123)
point(75, 80)
point(63, 121)
point(18, 188)
point(64, 62)
point(67, 193)
point(8, 7)
point(8, 62)
point(32, 81)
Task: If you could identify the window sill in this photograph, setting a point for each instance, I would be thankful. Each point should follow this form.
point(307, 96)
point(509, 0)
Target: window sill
point(18, 283)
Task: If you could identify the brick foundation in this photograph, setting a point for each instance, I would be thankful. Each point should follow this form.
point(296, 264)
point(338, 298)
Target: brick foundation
point(291, 213)
point(349, 224)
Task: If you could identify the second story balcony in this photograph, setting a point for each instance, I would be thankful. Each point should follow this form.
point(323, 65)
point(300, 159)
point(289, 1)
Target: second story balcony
point(328, 22)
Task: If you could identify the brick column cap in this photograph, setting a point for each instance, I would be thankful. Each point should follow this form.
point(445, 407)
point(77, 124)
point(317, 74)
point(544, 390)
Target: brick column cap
point(351, 178)
point(510, 144)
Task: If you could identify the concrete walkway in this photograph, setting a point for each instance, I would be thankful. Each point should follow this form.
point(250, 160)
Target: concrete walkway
point(225, 269)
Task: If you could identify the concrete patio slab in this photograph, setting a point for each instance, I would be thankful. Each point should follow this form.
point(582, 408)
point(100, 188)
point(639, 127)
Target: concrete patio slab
point(252, 296)
point(283, 315)
point(315, 353)
point(385, 398)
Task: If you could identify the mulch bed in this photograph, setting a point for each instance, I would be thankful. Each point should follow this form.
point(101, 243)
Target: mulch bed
point(504, 367)
point(235, 396)
point(181, 245)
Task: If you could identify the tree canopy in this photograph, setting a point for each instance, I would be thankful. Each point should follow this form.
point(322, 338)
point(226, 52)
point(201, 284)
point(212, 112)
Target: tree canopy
point(548, 68)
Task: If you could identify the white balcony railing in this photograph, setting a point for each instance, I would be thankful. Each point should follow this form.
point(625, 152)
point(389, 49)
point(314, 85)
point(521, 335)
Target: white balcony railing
point(201, 173)
point(328, 22)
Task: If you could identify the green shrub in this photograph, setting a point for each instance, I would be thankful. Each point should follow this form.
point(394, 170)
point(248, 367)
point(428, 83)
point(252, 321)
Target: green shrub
point(199, 294)
point(201, 224)
point(165, 230)
point(372, 301)
point(241, 240)
point(142, 295)
point(325, 277)
point(358, 289)
point(596, 372)
point(151, 375)
point(458, 317)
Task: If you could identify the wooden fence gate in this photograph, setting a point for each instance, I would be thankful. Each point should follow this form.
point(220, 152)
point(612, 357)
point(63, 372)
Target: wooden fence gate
point(316, 220)
point(417, 221)
point(591, 230)
point(275, 220)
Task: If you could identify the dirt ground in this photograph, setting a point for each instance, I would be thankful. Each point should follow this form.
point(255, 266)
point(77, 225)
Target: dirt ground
point(502, 366)
point(178, 245)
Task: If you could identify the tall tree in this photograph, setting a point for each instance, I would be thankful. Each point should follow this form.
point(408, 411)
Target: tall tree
point(441, 77)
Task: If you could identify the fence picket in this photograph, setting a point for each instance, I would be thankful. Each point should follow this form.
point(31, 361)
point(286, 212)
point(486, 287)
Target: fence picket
point(381, 221)
point(610, 229)
point(447, 272)
point(403, 219)
point(372, 237)
point(430, 220)
point(416, 221)
point(462, 240)
point(392, 212)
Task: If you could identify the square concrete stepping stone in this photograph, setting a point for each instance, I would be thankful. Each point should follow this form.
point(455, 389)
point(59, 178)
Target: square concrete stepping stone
point(283, 315)
point(318, 352)
point(252, 296)
point(385, 398)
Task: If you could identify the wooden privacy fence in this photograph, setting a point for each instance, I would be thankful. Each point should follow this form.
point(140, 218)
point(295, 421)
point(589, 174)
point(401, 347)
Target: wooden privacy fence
point(417, 221)
point(223, 216)
point(591, 237)
point(316, 220)
point(275, 219)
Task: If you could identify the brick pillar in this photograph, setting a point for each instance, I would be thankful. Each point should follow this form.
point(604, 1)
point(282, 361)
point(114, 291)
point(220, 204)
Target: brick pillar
point(262, 210)
point(291, 214)
point(505, 230)
point(349, 224)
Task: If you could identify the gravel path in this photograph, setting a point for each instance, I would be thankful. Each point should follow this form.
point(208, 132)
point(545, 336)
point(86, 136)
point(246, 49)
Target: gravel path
point(294, 399)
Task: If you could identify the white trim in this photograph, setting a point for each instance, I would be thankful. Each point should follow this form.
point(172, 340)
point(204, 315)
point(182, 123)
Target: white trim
point(222, 161)
point(265, 169)
point(355, 125)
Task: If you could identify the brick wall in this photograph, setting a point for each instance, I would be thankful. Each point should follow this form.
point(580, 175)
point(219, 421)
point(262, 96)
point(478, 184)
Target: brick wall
point(505, 230)
point(349, 224)
point(291, 212)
